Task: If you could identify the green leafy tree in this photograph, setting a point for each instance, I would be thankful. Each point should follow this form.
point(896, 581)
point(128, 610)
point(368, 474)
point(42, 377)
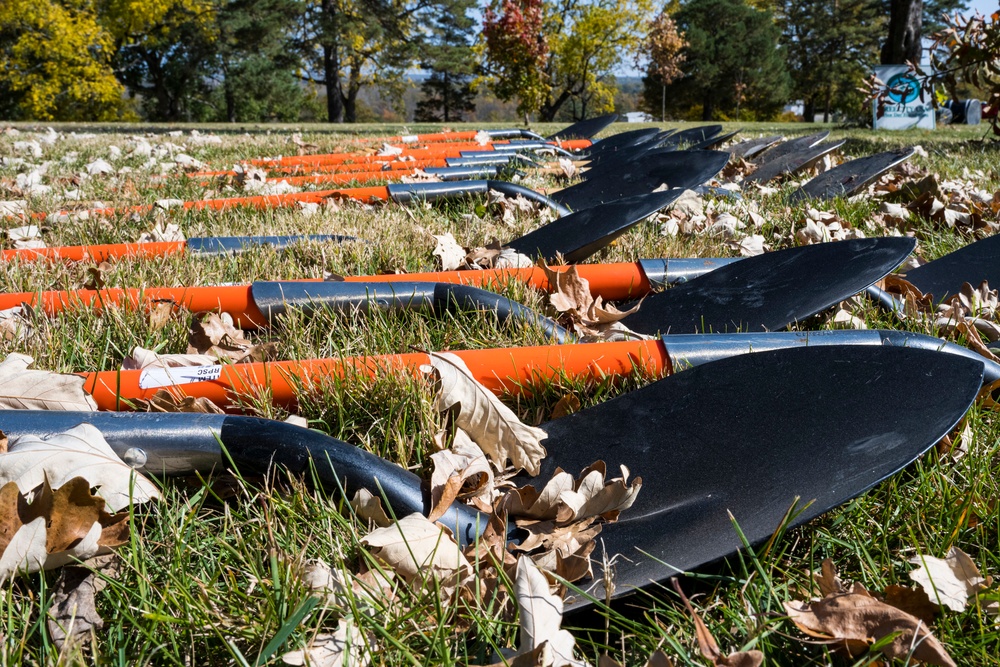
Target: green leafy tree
point(829, 46)
point(733, 62)
point(56, 63)
point(515, 51)
point(255, 62)
point(447, 92)
point(354, 43)
point(169, 66)
point(588, 40)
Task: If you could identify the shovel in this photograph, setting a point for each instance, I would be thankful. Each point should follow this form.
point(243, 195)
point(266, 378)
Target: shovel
point(767, 292)
point(677, 169)
point(851, 177)
point(768, 448)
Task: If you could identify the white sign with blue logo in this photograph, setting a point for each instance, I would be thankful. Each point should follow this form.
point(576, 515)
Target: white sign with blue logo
point(907, 105)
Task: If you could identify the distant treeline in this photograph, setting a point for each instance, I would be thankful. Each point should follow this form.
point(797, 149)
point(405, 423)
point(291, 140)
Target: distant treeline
point(354, 60)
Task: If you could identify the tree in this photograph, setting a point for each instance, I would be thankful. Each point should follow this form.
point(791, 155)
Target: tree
point(169, 65)
point(829, 47)
point(968, 50)
point(732, 61)
point(255, 61)
point(447, 92)
point(353, 43)
point(664, 49)
point(903, 41)
point(515, 52)
point(588, 40)
point(56, 63)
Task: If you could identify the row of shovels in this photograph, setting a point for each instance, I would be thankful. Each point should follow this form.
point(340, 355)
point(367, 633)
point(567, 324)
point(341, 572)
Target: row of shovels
point(698, 435)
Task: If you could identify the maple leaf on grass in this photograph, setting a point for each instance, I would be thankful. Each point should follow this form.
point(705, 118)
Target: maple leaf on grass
point(462, 471)
point(49, 528)
point(491, 424)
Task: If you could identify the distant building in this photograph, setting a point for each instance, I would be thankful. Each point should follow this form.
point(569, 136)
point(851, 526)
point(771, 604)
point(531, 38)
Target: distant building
point(638, 117)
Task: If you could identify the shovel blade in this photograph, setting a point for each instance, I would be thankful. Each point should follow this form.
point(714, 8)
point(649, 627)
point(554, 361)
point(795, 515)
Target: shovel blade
point(579, 235)
point(676, 169)
point(748, 436)
point(771, 291)
point(972, 264)
point(584, 129)
point(851, 177)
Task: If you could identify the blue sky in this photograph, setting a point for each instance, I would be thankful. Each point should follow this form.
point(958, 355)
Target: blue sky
point(984, 6)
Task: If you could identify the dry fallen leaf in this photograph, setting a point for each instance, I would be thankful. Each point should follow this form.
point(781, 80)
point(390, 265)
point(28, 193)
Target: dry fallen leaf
point(164, 401)
point(570, 295)
point(710, 648)
point(451, 254)
point(81, 451)
point(565, 499)
point(141, 358)
point(72, 615)
point(462, 471)
point(347, 647)
point(421, 552)
point(23, 389)
point(48, 528)
point(856, 620)
point(491, 424)
point(369, 508)
point(216, 336)
point(541, 617)
point(949, 581)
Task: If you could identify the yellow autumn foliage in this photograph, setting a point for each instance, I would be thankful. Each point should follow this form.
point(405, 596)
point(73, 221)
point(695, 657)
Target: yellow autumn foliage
point(58, 65)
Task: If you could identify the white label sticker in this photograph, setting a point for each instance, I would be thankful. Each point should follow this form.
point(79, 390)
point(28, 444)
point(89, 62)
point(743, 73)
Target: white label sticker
point(151, 378)
point(409, 138)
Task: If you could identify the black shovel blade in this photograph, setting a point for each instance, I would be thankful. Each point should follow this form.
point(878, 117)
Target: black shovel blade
point(712, 142)
point(791, 146)
point(750, 147)
point(584, 129)
point(692, 135)
point(620, 141)
point(675, 169)
point(851, 177)
point(748, 435)
point(793, 162)
point(972, 264)
point(771, 291)
point(579, 235)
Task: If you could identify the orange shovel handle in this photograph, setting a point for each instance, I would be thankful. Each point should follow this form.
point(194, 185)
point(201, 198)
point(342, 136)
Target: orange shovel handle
point(499, 370)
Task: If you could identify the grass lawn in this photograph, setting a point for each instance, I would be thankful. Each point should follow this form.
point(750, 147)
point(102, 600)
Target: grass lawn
point(212, 573)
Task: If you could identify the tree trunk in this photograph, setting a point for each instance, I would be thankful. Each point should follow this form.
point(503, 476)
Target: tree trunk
point(663, 105)
point(549, 110)
point(331, 74)
point(809, 111)
point(903, 42)
point(331, 63)
point(707, 108)
point(444, 97)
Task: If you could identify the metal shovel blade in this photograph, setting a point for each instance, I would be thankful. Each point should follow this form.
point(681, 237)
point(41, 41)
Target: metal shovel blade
point(584, 129)
point(748, 436)
point(771, 291)
point(793, 162)
point(579, 235)
point(790, 146)
point(851, 177)
point(675, 169)
point(972, 264)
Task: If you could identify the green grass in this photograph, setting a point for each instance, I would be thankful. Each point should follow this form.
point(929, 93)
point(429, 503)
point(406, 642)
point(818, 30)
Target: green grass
point(211, 573)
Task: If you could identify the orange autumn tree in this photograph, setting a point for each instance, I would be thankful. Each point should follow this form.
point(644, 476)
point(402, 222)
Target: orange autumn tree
point(515, 51)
